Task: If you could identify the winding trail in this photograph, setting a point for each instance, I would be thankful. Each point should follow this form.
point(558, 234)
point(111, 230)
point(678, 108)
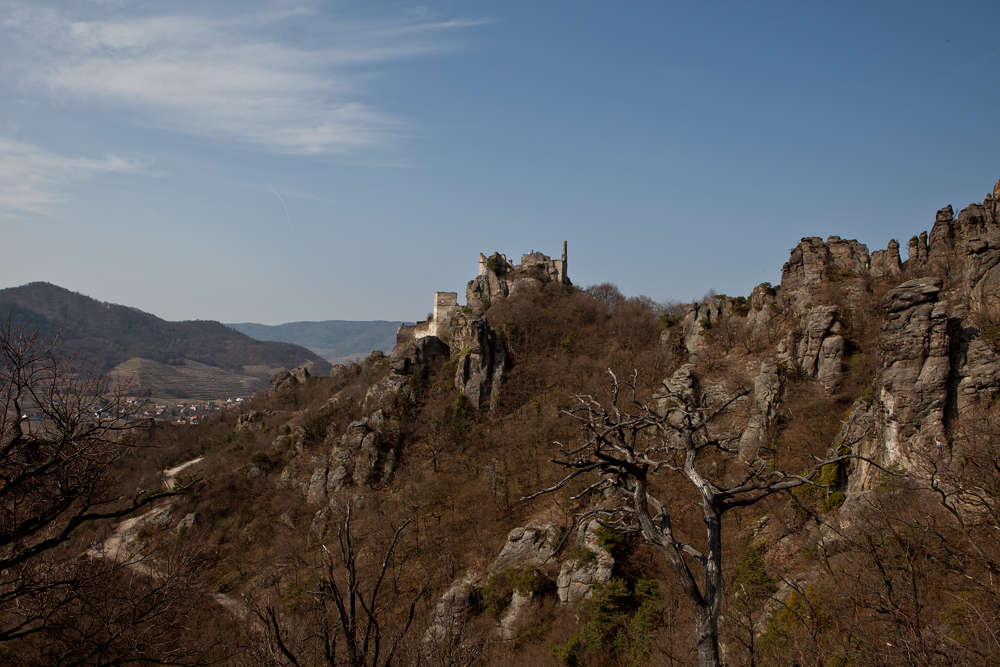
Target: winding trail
point(116, 547)
point(170, 475)
point(126, 532)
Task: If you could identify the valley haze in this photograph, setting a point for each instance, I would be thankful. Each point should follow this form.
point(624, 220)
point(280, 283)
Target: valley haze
point(337, 341)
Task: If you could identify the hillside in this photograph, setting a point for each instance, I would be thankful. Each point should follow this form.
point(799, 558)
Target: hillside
point(109, 335)
point(546, 475)
point(337, 341)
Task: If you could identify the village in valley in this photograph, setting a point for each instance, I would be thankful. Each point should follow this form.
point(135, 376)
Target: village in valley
point(188, 413)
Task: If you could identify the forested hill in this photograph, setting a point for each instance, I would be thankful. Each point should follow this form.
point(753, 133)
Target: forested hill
point(337, 341)
point(109, 334)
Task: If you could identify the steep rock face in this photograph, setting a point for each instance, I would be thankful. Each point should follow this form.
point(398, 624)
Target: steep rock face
point(941, 242)
point(830, 363)
point(933, 365)
point(817, 324)
point(977, 242)
point(913, 369)
point(482, 360)
point(976, 364)
point(905, 424)
point(763, 409)
point(812, 262)
point(815, 347)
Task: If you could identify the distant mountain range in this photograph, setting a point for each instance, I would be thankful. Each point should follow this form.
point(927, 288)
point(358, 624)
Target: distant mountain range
point(185, 360)
point(337, 341)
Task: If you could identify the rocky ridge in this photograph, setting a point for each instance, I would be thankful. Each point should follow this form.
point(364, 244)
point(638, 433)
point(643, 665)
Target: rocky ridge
point(929, 317)
point(933, 363)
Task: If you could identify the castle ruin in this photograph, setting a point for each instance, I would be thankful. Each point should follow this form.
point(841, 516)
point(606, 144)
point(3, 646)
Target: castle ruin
point(498, 278)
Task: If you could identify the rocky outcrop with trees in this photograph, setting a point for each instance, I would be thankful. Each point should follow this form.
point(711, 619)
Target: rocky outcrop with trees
point(805, 475)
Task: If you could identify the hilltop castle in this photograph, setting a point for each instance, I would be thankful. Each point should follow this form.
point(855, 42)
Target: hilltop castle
point(462, 332)
point(497, 279)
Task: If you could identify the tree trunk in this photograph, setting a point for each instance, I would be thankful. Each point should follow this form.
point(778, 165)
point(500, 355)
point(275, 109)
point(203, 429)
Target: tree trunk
point(707, 632)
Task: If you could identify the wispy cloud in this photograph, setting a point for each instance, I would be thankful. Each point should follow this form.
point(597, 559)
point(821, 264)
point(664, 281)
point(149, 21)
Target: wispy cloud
point(287, 81)
point(32, 179)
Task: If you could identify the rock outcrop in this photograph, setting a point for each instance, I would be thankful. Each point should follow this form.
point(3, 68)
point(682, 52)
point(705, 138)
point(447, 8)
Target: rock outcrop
point(451, 612)
point(814, 262)
point(591, 565)
point(913, 369)
point(532, 545)
point(763, 409)
point(933, 365)
point(366, 453)
point(288, 379)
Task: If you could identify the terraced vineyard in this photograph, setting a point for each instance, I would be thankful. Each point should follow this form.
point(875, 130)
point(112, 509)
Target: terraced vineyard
point(187, 380)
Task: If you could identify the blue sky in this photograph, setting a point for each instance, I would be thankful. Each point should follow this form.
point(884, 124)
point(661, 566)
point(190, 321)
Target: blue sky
point(305, 160)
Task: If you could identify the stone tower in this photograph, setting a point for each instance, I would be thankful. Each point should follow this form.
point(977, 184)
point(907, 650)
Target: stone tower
point(562, 267)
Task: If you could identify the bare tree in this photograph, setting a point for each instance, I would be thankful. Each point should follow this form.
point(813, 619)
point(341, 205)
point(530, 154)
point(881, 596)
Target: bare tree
point(629, 441)
point(351, 622)
point(63, 430)
point(965, 477)
point(608, 293)
point(120, 613)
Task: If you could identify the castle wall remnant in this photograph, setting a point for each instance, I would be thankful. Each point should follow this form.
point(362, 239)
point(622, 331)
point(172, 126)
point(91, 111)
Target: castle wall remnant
point(445, 306)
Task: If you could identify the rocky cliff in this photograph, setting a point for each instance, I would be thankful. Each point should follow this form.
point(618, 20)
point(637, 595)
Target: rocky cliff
point(938, 311)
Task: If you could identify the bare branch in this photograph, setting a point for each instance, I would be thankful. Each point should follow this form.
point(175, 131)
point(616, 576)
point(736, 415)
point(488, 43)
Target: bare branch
point(620, 442)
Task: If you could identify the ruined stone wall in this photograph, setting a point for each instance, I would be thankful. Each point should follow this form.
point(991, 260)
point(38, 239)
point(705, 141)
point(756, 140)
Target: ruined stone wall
point(499, 279)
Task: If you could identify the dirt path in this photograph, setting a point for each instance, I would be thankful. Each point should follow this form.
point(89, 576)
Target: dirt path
point(170, 475)
point(117, 546)
point(126, 532)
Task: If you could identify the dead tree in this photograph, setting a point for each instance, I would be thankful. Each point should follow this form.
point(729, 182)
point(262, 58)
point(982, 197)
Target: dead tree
point(350, 624)
point(628, 441)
